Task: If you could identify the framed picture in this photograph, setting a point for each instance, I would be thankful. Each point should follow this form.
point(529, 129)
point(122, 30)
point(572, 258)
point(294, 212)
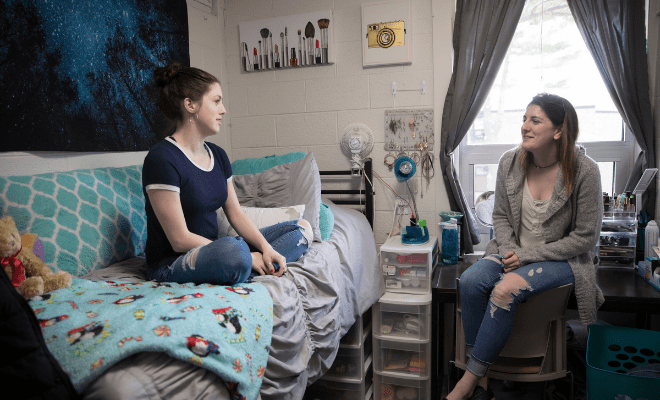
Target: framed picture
point(300, 40)
point(386, 33)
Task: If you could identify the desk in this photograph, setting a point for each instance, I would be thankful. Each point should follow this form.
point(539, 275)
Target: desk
point(623, 289)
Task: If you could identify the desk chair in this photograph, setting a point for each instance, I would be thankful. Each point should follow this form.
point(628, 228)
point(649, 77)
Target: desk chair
point(536, 350)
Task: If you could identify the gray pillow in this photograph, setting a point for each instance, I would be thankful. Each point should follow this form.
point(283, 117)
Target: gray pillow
point(284, 185)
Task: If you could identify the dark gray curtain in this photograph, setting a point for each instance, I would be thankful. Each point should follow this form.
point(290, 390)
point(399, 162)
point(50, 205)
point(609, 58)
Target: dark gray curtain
point(615, 33)
point(483, 30)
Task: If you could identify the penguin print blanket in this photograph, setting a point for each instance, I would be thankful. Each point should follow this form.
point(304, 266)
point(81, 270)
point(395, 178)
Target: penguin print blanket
point(89, 326)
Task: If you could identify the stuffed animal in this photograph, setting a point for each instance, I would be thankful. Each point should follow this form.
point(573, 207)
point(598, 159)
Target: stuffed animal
point(28, 273)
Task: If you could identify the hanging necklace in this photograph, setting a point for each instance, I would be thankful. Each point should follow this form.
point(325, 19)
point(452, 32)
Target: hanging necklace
point(547, 166)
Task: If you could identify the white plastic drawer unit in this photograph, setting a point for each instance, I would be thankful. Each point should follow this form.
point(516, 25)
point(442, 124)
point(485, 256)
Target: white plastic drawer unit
point(403, 317)
point(402, 359)
point(356, 335)
point(408, 269)
point(389, 388)
point(351, 363)
point(337, 390)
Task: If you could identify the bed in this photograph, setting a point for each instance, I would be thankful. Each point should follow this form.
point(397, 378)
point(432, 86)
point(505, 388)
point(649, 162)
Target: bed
point(313, 305)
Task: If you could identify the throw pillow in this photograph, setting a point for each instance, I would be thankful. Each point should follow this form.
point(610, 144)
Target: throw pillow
point(291, 183)
point(262, 217)
point(326, 221)
point(247, 166)
point(86, 219)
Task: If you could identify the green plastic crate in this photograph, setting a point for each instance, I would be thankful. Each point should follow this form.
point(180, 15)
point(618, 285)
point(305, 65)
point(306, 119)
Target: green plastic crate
point(613, 351)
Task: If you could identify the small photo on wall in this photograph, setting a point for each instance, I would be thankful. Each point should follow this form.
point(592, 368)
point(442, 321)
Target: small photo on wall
point(386, 33)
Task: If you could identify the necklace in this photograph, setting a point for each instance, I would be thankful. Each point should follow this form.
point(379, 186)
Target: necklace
point(547, 166)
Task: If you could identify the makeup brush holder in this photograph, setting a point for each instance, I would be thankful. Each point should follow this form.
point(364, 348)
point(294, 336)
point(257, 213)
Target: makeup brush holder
point(263, 42)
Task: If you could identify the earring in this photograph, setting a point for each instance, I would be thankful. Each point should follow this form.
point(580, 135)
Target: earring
point(197, 116)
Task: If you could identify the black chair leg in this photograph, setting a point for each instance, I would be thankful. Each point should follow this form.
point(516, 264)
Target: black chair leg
point(450, 375)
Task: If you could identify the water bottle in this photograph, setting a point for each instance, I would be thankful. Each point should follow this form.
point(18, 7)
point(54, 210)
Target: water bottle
point(650, 239)
point(449, 253)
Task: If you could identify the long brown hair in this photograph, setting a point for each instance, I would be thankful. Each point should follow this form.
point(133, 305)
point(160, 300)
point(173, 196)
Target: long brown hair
point(562, 114)
point(177, 83)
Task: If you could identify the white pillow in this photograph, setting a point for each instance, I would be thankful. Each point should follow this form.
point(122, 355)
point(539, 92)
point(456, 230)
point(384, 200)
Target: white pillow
point(262, 217)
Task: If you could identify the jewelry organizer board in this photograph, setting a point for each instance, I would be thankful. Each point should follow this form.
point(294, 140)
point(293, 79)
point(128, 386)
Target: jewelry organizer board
point(250, 33)
point(399, 129)
point(382, 13)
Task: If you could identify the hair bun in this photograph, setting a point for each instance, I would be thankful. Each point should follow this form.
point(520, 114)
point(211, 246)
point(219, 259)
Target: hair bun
point(163, 76)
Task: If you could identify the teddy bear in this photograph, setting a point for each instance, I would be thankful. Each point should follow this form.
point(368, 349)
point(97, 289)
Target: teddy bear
point(34, 278)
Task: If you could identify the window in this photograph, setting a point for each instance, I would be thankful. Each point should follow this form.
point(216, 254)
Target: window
point(547, 54)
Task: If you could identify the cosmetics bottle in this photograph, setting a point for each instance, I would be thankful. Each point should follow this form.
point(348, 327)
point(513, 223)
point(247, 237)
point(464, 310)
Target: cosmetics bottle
point(256, 60)
point(276, 60)
point(317, 53)
point(294, 61)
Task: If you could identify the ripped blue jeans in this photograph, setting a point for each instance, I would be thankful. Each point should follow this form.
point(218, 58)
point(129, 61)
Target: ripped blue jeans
point(227, 260)
point(489, 302)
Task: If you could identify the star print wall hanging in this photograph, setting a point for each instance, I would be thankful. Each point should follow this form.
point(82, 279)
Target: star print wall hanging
point(76, 75)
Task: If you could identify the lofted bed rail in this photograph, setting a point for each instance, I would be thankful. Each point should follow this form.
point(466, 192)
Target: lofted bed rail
point(365, 195)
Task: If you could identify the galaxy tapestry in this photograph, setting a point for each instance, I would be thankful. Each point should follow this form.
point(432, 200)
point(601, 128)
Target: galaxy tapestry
point(75, 75)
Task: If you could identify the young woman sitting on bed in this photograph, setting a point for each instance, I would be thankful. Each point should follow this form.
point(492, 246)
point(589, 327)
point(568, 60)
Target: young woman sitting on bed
point(185, 180)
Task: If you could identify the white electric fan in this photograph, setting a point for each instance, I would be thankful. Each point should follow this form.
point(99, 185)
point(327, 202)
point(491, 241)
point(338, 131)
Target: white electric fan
point(357, 141)
point(483, 208)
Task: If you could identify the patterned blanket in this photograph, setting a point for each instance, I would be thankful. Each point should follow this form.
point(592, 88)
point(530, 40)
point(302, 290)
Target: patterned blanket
point(91, 325)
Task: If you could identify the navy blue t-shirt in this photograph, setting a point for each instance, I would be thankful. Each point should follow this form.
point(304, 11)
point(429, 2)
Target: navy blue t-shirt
point(201, 191)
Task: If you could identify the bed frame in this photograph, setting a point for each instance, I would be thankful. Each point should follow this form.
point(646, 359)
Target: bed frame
point(366, 197)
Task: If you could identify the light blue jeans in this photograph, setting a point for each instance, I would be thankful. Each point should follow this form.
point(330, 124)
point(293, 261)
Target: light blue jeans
point(488, 313)
point(227, 260)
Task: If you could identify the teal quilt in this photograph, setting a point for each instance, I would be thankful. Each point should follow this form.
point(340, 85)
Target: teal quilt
point(89, 326)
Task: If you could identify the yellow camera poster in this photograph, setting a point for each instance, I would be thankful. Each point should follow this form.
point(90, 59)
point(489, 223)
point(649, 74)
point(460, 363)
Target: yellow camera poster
point(386, 33)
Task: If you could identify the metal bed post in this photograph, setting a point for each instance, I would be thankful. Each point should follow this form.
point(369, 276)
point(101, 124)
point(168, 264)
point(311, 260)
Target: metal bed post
point(368, 192)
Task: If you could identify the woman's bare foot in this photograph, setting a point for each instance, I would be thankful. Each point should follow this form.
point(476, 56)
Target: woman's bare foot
point(465, 386)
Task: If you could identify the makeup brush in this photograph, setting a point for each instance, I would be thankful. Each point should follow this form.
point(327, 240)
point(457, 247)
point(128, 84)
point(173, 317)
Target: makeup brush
point(264, 34)
point(323, 26)
point(282, 49)
point(299, 46)
point(270, 48)
point(317, 53)
point(309, 34)
point(244, 58)
point(261, 57)
point(286, 46)
point(304, 52)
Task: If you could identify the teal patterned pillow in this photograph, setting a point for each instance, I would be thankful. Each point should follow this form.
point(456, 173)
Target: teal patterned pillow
point(248, 166)
point(86, 219)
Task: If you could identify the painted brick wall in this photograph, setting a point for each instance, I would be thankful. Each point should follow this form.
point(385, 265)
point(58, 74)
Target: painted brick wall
point(307, 109)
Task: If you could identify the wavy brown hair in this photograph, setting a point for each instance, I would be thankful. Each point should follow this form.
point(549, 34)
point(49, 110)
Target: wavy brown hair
point(177, 83)
point(562, 114)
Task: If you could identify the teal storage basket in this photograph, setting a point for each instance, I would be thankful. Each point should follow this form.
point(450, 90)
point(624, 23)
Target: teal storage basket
point(613, 351)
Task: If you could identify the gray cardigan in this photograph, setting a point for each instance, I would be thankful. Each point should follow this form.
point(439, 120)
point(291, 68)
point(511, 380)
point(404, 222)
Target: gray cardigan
point(571, 226)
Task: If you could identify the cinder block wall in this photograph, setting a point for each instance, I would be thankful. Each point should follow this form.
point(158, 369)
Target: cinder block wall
point(308, 108)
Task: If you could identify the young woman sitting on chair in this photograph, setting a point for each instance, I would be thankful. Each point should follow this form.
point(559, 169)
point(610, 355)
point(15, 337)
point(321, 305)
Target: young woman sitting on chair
point(547, 218)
